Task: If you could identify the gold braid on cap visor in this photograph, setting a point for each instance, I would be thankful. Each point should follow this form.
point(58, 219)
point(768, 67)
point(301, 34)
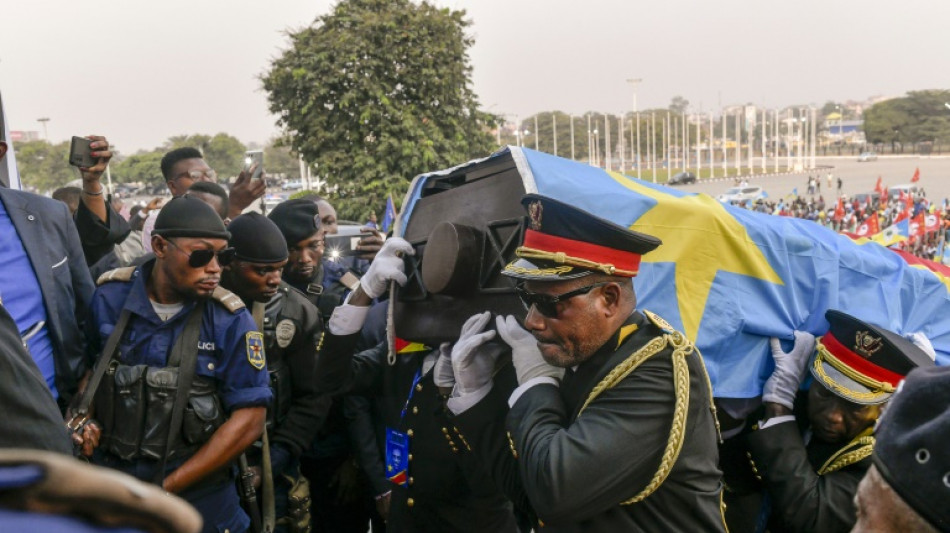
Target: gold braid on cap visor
point(877, 387)
point(563, 259)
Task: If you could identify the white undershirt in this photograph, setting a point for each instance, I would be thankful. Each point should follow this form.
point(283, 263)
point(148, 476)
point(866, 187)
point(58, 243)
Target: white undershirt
point(166, 311)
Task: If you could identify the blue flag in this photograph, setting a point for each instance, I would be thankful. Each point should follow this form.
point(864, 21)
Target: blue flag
point(390, 215)
point(730, 278)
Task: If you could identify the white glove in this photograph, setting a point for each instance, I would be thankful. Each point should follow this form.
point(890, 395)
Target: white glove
point(790, 367)
point(525, 354)
point(386, 267)
point(442, 372)
point(921, 341)
point(472, 362)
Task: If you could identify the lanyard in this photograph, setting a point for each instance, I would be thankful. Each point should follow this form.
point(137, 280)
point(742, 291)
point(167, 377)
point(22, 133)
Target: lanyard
point(412, 390)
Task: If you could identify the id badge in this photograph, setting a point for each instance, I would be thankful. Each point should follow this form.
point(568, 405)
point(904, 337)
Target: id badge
point(397, 457)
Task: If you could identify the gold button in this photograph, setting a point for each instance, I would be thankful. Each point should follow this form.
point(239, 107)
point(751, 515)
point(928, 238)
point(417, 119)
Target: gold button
point(419, 387)
point(409, 433)
point(410, 502)
point(415, 410)
point(210, 366)
point(411, 480)
point(446, 431)
point(410, 457)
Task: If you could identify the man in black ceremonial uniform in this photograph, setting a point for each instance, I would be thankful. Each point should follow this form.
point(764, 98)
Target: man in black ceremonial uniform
point(810, 452)
point(292, 329)
point(611, 427)
point(437, 484)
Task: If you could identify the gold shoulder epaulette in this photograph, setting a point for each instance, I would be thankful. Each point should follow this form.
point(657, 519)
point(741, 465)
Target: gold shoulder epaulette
point(855, 451)
point(118, 274)
point(228, 299)
point(659, 322)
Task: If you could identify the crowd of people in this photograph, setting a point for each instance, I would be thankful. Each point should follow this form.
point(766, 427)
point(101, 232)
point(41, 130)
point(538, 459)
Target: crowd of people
point(219, 356)
point(867, 215)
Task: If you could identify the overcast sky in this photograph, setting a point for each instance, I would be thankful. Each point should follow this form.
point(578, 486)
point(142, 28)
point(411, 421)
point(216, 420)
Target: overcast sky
point(141, 71)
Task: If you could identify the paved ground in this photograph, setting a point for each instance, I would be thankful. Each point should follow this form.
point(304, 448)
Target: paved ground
point(856, 177)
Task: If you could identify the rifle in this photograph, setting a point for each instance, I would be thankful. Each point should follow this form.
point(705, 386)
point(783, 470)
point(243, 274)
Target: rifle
point(249, 495)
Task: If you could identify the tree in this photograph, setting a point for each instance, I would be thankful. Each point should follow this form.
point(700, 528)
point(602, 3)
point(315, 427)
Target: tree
point(921, 116)
point(679, 105)
point(222, 152)
point(44, 166)
point(280, 161)
point(377, 92)
point(143, 167)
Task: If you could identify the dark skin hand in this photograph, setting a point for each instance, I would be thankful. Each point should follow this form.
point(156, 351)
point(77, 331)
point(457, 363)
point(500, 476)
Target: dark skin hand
point(369, 245)
point(382, 506)
point(244, 191)
point(229, 441)
point(91, 176)
point(773, 410)
point(346, 479)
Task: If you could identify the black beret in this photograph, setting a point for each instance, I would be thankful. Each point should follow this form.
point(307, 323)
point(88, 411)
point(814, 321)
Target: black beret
point(861, 362)
point(564, 242)
point(257, 239)
point(911, 444)
point(296, 219)
point(189, 217)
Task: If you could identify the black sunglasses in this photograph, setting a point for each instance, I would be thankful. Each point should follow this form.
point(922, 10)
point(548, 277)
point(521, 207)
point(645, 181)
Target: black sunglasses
point(200, 258)
point(546, 304)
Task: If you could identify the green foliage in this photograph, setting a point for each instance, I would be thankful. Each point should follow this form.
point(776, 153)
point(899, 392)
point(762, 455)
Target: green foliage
point(44, 166)
point(222, 152)
point(143, 167)
point(921, 116)
point(377, 92)
point(280, 161)
point(679, 105)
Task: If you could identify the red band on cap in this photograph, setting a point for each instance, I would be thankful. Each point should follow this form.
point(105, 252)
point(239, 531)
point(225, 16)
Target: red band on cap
point(584, 250)
point(859, 363)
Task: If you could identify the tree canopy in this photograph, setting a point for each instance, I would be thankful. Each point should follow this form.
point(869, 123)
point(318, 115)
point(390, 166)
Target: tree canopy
point(222, 152)
point(376, 92)
point(921, 116)
point(44, 166)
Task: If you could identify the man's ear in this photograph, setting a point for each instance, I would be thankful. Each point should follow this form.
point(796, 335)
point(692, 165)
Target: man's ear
point(159, 246)
point(611, 294)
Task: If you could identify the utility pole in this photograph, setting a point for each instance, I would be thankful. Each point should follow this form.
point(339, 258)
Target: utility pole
point(554, 124)
point(43, 121)
point(572, 138)
point(536, 132)
point(634, 82)
point(653, 145)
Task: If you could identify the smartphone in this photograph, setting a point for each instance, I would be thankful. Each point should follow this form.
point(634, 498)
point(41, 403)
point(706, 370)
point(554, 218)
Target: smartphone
point(80, 153)
point(251, 158)
point(341, 245)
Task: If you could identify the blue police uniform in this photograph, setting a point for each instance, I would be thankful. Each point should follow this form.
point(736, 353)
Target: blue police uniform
point(227, 353)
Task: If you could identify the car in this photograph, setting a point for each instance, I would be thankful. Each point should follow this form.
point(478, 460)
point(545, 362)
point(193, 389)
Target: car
point(867, 156)
point(292, 185)
point(682, 178)
point(862, 199)
point(894, 192)
point(739, 194)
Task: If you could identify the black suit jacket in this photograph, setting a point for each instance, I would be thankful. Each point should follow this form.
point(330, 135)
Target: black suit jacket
point(574, 470)
point(51, 241)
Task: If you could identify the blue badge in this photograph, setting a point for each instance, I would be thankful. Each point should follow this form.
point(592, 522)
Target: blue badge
point(255, 349)
point(397, 457)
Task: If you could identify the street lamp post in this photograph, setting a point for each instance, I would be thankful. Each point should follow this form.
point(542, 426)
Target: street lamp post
point(636, 111)
point(572, 138)
point(43, 121)
point(536, 132)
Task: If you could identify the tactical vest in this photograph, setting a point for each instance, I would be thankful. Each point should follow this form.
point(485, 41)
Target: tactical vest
point(136, 404)
point(276, 338)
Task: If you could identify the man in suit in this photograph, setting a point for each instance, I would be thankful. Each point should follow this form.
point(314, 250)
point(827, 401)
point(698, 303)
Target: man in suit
point(46, 287)
point(626, 439)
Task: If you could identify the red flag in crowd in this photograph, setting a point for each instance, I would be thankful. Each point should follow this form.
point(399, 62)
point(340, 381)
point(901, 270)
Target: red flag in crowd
point(917, 225)
point(873, 224)
point(916, 177)
point(879, 187)
point(839, 209)
point(931, 223)
point(902, 215)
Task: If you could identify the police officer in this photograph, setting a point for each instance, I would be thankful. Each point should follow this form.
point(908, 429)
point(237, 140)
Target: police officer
point(811, 450)
point(611, 427)
point(292, 330)
point(437, 483)
point(153, 320)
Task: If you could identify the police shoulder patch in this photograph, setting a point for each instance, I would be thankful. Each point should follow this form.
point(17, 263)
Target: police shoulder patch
point(284, 332)
point(255, 349)
point(664, 326)
point(228, 299)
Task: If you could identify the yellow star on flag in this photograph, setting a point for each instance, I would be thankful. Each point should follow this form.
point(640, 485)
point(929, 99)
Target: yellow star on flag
point(701, 238)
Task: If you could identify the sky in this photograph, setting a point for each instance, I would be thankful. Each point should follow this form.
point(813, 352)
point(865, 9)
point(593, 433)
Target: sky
point(141, 71)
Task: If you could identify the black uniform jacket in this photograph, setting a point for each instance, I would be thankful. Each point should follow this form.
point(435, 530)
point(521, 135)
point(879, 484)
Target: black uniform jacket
point(575, 469)
point(292, 331)
point(448, 489)
point(800, 499)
